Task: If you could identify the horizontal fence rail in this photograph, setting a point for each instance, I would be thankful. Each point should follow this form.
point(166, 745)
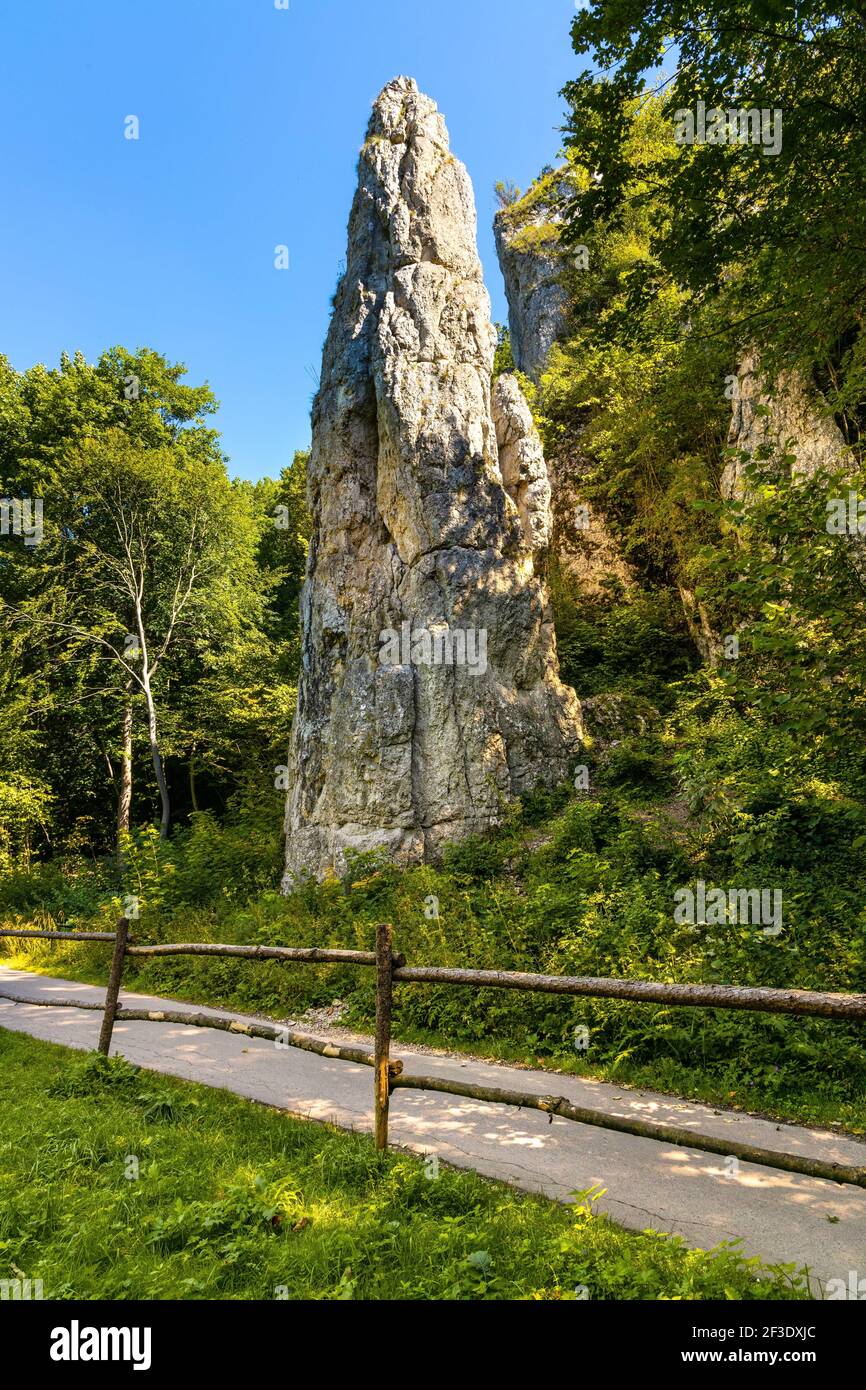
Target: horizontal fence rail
point(286, 1037)
point(760, 999)
point(815, 1003)
point(389, 1074)
point(645, 1129)
point(53, 1003)
point(314, 955)
point(62, 935)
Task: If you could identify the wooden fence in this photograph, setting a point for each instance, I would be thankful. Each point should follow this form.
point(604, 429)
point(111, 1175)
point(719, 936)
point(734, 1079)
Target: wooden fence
point(389, 1074)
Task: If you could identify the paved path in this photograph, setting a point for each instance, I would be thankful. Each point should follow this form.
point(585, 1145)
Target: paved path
point(780, 1216)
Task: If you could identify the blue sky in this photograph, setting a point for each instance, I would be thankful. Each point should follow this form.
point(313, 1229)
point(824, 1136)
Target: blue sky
point(250, 122)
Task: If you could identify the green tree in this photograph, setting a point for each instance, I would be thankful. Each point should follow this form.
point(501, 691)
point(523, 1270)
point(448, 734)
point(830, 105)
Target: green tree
point(150, 554)
point(779, 238)
point(145, 538)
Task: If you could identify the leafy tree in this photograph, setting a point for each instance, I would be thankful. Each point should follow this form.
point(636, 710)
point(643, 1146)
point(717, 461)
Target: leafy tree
point(801, 593)
point(148, 553)
point(159, 587)
point(233, 707)
point(779, 237)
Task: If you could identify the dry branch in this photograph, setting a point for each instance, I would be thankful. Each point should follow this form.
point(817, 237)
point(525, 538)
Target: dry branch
point(62, 935)
point(645, 1129)
point(288, 1038)
point(273, 1033)
point(51, 1003)
point(774, 1001)
point(312, 954)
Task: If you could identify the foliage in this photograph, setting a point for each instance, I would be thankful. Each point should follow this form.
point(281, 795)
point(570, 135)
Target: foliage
point(159, 586)
point(800, 593)
point(779, 237)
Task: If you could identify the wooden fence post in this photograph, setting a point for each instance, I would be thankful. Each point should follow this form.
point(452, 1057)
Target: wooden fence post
point(381, 1070)
point(113, 988)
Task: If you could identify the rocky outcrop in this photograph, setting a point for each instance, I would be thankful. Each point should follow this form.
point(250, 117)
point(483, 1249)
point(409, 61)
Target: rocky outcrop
point(531, 261)
point(585, 548)
point(787, 426)
point(707, 641)
point(537, 302)
point(521, 462)
point(784, 421)
point(429, 693)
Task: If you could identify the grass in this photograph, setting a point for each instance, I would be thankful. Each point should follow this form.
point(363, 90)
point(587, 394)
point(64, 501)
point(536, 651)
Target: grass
point(116, 1183)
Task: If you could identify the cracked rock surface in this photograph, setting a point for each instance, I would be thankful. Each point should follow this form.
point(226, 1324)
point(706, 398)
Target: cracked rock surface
point(786, 422)
point(537, 301)
point(431, 514)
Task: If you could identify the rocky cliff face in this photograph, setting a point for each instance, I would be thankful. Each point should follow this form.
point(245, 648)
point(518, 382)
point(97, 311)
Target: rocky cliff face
point(429, 693)
point(521, 462)
point(766, 424)
point(537, 302)
point(786, 421)
point(531, 265)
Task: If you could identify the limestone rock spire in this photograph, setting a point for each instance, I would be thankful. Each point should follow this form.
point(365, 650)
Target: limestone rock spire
point(429, 693)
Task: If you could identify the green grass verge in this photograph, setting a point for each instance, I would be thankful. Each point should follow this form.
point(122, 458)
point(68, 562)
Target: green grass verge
point(121, 1184)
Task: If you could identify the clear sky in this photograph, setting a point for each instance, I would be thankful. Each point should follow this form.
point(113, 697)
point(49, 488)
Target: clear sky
point(251, 118)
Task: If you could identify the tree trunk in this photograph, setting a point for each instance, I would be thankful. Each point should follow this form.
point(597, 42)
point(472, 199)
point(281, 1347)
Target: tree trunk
point(124, 798)
point(192, 787)
point(158, 768)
